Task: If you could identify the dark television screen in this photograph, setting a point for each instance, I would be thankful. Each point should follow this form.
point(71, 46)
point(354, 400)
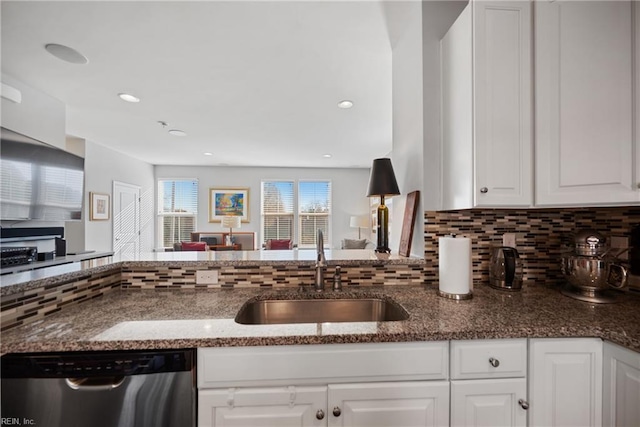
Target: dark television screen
point(39, 181)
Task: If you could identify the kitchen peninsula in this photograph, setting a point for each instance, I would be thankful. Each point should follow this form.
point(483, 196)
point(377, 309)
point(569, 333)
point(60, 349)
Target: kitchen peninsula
point(154, 302)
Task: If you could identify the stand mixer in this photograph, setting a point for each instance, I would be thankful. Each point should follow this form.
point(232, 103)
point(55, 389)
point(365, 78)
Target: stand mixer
point(590, 273)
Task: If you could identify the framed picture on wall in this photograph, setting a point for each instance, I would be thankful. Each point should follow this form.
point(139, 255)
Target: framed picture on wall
point(408, 221)
point(228, 202)
point(99, 207)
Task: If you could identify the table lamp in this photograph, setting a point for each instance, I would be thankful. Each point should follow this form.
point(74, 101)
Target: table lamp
point(360, 221)
point(231, 222)
point(382, 183)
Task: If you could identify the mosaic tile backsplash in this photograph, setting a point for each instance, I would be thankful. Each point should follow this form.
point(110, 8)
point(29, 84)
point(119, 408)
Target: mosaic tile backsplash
point(542, 235)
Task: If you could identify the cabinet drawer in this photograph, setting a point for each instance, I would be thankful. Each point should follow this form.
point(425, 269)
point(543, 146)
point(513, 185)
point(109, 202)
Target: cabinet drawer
point(488, 359)
point(320, 364)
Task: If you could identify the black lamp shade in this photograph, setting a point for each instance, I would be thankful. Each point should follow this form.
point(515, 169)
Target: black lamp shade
point(382, 181)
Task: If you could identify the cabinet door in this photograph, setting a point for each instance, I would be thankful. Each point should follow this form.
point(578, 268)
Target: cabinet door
point(584, 103)
point(261, 407)
point(621, 405)
point(492, 402)
point(397, 404)
point(503, 106)
point(565, 382)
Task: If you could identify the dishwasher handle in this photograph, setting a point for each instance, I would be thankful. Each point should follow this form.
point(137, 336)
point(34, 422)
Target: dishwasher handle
point(94, 383)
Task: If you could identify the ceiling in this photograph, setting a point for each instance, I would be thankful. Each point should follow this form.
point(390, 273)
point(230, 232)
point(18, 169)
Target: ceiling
point(253, 83)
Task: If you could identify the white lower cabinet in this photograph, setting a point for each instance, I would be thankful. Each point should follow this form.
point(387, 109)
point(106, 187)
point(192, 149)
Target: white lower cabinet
point(265, 406)
point(621, 406)
point(488, 383)
point(494, 402)
point(408, 384)
point(565, 382)
point(398, 404)
point(378, 384)
point(408, 404)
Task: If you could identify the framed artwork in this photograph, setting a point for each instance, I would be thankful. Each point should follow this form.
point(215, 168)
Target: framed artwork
point(99, 207)
point(410, 211)
point(228, 202)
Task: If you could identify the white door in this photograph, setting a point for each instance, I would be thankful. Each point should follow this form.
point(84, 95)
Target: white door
point(584, 80)
point(621, 405)
point(493, 402)
point(126, 220)
point(565, 382)
point(503, 104)
point(397, 404)
point(263, 407)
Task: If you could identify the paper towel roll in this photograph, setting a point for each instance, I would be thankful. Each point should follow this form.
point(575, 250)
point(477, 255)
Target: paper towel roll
point(454, 265)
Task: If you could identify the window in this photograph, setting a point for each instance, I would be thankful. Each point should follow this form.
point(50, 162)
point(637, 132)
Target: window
point(286, 217)
point(314, 211)
point(277, 210)
point(177, 210)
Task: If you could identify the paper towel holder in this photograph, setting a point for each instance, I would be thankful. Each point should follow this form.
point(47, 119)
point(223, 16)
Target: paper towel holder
point(455, 296)
point(458, 297)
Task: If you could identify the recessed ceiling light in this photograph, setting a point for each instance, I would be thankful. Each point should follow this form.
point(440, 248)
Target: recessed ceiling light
point(326, 156)
point(66, 53)
point(177, 132)
point(345, 104)
point(208, 154)
point(128, 97)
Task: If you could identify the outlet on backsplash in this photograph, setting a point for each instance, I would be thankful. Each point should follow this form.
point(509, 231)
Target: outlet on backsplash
point(206, 277)
point(618, 244)
point(509, 239)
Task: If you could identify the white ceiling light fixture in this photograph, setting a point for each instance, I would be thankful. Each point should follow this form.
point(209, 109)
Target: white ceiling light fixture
point(326, 156)
point(345, 104)
point(177, 132)
point(208, 154)
point(128, 97)
point(66, 53)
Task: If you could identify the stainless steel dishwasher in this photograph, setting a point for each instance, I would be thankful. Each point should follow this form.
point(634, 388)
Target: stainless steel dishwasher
point(99, 389)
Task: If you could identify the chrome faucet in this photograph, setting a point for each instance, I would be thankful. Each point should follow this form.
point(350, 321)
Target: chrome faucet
point(321, 263)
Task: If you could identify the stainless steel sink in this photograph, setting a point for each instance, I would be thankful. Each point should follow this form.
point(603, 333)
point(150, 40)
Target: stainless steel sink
point(275, 311)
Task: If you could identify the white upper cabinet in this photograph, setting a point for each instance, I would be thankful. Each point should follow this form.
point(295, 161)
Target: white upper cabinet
point(487, 107)
point(586, 145)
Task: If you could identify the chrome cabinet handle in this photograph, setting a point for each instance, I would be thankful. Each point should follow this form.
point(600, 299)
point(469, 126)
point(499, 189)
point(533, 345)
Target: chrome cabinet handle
point(524, 404)
point(320, 414)
point(336, 411)
point(484, 190)
point(494, 362)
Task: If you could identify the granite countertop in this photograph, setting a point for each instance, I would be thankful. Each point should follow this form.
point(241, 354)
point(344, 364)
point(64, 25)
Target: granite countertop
point(157, 319)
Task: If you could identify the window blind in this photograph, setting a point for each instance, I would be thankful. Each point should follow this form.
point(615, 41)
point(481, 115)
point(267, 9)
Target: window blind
point(314, 211)
point(177, 210)
point(277, 210)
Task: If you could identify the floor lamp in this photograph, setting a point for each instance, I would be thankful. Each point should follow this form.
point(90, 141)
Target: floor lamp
point(360, 221)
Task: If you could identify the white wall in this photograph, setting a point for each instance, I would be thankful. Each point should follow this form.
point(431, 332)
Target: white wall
point(404, 23)
point(349, 188)
point(102, 167)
